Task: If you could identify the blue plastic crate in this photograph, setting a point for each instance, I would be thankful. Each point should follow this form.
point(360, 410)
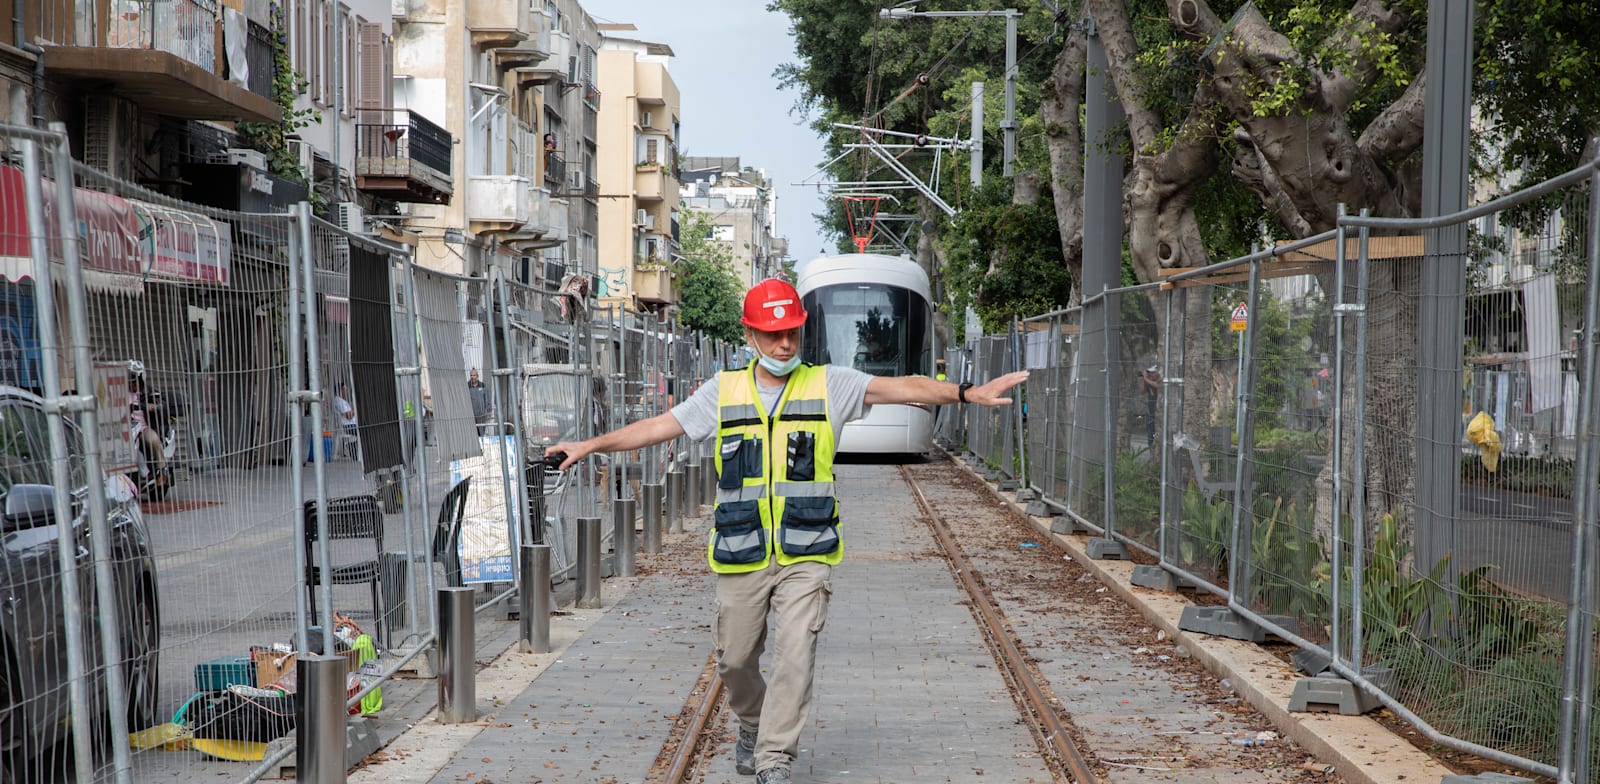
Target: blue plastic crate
point(219, 674)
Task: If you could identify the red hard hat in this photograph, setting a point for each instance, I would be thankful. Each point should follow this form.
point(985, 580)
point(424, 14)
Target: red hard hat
point(773, 306)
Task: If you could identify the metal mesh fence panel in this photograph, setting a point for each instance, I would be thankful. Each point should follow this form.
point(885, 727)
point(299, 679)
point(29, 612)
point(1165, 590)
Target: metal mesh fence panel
point(1135, 388)
point(1289, 449)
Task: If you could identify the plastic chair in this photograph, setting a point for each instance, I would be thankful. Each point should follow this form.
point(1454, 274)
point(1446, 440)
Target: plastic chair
point(447, 532)
point(351, 517)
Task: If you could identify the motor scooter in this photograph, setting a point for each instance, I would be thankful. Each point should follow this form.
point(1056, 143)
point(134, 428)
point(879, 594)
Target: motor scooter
point(154, 476)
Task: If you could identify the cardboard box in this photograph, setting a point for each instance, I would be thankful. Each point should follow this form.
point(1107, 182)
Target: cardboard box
point(272, 666)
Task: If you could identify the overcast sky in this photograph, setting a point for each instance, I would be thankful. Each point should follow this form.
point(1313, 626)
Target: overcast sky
point(726, 52)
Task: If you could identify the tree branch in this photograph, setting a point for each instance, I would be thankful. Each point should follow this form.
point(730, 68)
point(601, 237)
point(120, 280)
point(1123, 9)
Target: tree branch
point(1253, 172)
point(1369, 18)
point(1059, 104)
point(1396, 132)
point(1116, 35)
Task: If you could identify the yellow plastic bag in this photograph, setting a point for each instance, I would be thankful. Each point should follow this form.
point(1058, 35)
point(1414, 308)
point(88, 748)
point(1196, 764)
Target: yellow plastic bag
point(1481, 431)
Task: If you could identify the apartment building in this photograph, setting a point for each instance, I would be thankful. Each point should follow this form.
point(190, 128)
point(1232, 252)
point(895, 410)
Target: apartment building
point(743, 210)
point(481, 70)
point(639, 135)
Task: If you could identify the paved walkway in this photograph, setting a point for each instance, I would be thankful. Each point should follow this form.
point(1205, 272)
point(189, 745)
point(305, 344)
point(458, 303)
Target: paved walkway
point(906, 688)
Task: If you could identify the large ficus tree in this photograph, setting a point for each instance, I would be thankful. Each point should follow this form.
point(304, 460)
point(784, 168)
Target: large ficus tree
point(1243, 120)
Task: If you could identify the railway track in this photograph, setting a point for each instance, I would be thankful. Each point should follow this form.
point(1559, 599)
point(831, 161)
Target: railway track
point(695, 735)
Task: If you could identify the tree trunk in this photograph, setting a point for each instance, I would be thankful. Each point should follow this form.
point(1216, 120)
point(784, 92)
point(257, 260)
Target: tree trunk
point(1061, 97)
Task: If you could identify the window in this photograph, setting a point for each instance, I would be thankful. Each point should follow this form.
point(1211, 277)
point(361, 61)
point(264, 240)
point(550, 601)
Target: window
point(652, 151)
point(877, 329)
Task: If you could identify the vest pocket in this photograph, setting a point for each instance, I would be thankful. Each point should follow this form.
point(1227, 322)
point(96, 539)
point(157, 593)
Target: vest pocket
point(802, 457)
point(810, 526)
point(741, 460)
point(739, 538)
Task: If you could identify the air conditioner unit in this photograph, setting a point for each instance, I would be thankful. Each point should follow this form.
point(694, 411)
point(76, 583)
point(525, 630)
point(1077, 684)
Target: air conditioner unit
point(649, 222)
point(252, 158)
point(575, 180)
point(646, 120)
point(304, 155)
point(351, 217)
point(641, 217)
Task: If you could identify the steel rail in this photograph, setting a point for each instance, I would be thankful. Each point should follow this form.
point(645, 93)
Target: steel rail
point(680, 768)
point(1055, 735)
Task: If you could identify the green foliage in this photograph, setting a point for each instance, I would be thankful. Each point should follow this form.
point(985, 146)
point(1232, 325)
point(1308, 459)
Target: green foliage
point(1551, 476)
point(1283, 364)
point(271, 139)
point(710, 294)
point(1290, 568)
point(1136, 479)
point(1533, 73)
point(1029, 278)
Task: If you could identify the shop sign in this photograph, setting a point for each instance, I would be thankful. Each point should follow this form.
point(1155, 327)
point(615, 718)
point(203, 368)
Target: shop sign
point(107, 231)
point(184, 245)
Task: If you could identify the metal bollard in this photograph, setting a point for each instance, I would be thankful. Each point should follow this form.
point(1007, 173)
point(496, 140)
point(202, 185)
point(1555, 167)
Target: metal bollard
point(535, 598)
point(691, 489)
point(458, 666)
point(652, 518)
point(588, 563)
point(622, 534)
point(319, 734)
point(675, 501)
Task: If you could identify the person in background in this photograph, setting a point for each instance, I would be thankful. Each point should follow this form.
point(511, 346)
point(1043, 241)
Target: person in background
point(777, 533)
point(482, 409)
point(1150, 381)
point(343, 411)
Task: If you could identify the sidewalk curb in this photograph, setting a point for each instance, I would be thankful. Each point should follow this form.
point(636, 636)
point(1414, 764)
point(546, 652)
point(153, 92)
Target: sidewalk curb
point(1360, 749)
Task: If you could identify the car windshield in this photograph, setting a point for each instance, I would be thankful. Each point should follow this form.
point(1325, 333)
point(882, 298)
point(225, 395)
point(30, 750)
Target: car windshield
point(24, 447)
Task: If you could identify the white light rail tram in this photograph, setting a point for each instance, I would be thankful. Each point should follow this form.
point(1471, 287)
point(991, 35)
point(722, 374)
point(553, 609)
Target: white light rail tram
point(871, 312)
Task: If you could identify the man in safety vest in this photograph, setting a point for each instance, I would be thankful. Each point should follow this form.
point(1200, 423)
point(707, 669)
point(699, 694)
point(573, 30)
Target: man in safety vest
point(776, 530)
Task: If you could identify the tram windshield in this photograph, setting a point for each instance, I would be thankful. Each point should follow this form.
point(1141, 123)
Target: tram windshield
point(877, 329)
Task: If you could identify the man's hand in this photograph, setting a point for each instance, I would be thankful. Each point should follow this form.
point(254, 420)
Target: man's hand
point(570, 451)
point(990, 394)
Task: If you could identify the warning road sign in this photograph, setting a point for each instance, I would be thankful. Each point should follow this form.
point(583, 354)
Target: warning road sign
point(1240, 319)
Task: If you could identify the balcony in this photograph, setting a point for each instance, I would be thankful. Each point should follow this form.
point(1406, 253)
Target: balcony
point(557, 222)
point(259, 66)
point(405, 158)
point(555, 172)
point(654, 286)
point(534, 49)
point(555, 67)
point(164, 55)
point(650, 182)
point(534, 233)
point(498, 23)
point(498, 203)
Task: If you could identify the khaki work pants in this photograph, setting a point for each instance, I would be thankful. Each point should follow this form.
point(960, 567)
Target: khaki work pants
point(798, 595)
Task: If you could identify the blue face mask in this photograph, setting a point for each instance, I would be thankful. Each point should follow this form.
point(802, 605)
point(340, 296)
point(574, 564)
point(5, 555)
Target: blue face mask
point(780, 369)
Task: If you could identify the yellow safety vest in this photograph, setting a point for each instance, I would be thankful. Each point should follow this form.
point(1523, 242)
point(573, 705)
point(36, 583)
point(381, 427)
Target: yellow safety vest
point(775, 475)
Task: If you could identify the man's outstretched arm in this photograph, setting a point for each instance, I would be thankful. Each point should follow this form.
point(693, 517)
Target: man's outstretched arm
point(921, 389)
point(645, 432)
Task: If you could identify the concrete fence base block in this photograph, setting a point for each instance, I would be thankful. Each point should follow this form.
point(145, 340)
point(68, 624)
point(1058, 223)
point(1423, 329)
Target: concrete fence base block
point(1223, 622)
point(1025, 495)
point(1039, 509)
point(1066, 524)
point(1329, 693)
point(1007, 485)
point(360, 741)
point(423, 665)
point(1310, 662)
point(1155, 578)
point(1483, 778)
point(1102, 549)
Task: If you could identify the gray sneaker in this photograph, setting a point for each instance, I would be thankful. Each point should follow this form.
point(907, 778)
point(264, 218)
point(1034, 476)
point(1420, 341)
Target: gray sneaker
point(744, 752)
point(773, 776)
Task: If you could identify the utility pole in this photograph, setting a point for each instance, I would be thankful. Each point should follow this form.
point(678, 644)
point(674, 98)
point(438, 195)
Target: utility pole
point(1008, 125)
point(977, 135)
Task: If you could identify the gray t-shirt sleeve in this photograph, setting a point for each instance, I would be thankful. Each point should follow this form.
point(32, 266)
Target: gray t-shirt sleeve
point(698, 415)
point(847, 395)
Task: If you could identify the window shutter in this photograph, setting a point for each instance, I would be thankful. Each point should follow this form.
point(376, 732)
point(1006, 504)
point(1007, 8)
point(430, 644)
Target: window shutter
point(370, 94)
point(387, 100)
point(302, 40)
point(314, 39)
point(328, 42)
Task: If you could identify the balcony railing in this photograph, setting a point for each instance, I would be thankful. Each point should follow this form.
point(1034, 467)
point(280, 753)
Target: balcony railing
point(555, 170)
point(258, 58)
point(186, 28)
point(407, 157)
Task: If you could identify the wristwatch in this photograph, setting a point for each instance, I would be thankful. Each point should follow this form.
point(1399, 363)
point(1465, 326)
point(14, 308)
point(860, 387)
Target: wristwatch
point(961, 391)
